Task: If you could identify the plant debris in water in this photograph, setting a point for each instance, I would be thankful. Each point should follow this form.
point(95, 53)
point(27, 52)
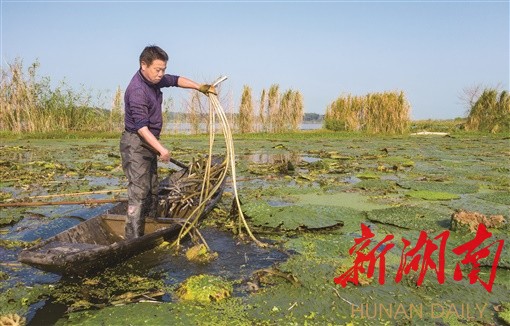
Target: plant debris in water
point(204, 288)
point(463, 220)
point(199, 253)
point(106, 289)
point(12, 320)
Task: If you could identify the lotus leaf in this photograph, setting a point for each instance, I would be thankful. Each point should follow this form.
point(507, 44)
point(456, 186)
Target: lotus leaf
point(456, 188)
point(373, 184)
point(408, 217)
point(502, 197)
point(294, 217)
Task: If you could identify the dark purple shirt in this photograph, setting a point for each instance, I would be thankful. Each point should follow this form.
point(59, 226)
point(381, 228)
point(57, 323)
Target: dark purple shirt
point(143, 102)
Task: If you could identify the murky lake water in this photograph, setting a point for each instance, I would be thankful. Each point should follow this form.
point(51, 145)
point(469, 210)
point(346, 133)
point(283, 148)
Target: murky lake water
point(306, 187)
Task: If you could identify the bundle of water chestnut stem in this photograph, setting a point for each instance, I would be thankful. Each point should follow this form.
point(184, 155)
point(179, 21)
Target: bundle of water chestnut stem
point(207, 190)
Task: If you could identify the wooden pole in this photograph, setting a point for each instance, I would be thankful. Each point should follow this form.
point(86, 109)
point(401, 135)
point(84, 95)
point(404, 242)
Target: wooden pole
point(50, 203)
point(78, 193)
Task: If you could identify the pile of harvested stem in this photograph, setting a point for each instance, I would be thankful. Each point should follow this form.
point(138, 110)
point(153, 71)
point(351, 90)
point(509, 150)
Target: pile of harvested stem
point(212, 177)
point(179, 199)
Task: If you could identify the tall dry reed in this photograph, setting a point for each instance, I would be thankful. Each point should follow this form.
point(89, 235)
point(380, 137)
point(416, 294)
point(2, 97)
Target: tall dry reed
point(490, 112)
point(246, 118)
point(30, 104)
point(387, 113)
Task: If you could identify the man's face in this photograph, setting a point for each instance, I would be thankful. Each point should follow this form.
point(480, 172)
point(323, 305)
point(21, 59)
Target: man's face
point(155, 71)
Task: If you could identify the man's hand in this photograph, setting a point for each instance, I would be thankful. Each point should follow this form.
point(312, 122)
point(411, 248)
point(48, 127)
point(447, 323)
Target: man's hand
point(164, 155)
point(207, 89)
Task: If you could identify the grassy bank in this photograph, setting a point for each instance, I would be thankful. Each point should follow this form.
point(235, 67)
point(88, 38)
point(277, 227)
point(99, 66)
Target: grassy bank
point(451, 126)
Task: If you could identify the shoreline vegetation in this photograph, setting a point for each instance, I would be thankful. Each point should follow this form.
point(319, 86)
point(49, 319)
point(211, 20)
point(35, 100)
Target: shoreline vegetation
point(30, 107)
point(425, 127)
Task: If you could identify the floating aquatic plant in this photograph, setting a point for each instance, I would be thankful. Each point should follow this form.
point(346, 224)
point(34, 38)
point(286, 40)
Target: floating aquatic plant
point(295, 217)
point(501, 197)
point(432, 195)
point(437, 186)
point(408, 217)
point(204, 288)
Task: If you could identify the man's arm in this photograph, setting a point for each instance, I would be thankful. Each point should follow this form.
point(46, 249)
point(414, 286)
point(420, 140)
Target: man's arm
point(184, 82)
point(145, 133)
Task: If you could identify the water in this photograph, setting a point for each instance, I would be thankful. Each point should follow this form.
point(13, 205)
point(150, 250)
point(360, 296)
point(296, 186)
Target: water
point(185, 127)
point(236, 261)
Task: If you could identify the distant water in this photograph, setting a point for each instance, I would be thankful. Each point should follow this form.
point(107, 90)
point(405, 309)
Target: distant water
point(186, 127)
point(311, 126)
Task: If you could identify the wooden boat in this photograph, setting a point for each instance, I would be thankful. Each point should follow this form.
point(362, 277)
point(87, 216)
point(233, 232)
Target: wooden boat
point(99, 242)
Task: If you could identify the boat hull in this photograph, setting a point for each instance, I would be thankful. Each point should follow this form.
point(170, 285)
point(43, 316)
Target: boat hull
point(93, 245)
point(97, 243)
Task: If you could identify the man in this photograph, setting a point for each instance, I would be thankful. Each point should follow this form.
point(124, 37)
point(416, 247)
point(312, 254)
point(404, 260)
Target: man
point(143, 123)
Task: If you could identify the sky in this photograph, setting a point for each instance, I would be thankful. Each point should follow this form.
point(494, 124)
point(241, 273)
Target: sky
point(431, 50)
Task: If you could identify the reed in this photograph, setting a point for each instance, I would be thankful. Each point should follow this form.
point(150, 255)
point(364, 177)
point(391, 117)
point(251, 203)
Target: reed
point(116, 114)
point(273, 102)
point(29, 104)
point(375, 113)
point(490, 112)
point(194, 109)
point(298, 111)
point(281, 118)
point(280, 112)
point(262, 109)
point(245, 118)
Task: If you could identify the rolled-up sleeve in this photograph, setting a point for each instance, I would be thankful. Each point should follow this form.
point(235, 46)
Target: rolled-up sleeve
point(169, 81)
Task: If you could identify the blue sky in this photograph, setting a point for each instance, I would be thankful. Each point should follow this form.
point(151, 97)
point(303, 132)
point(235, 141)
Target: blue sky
point(431, 50)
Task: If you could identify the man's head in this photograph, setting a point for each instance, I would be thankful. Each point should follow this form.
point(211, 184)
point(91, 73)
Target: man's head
point(153, 61)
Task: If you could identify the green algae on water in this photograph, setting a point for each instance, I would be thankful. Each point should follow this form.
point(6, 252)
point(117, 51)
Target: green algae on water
point(432, 195)
point(204, 288)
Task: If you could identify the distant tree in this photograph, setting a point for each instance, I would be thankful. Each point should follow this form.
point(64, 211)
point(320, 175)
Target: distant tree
point(313, 117)
point(470, 95)
point(490, 112)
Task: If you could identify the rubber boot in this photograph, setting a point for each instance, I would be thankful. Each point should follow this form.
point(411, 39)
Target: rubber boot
point(135, 223)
